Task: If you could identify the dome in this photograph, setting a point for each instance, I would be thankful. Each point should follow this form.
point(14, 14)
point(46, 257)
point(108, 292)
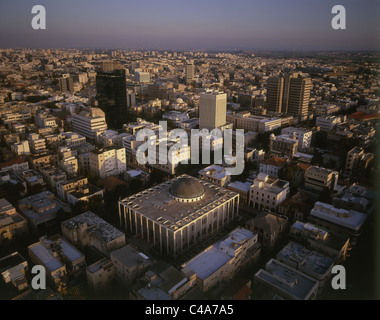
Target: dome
point(187, 188)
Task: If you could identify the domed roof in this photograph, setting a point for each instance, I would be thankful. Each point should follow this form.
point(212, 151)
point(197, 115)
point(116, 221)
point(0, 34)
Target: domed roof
point(186, 188)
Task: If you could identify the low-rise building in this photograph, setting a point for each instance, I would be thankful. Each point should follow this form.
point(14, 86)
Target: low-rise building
point(302, 135)
point(129, 263)
point(222, 260)
point(100, 274)
point(267, 192)
point(243, 189)
point(89, 230)
point(12, 224)
point(269, 228)
point(312, 263)
point(215, 174)
point(316, 238)
point(272, 166)
point(13, 269)
point(41, 209)
point(285, 145)
point(279, 281)
point(341, 221)
point(318, 178)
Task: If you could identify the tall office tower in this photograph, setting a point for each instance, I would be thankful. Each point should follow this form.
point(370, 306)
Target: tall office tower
point(285, 94)
point(112, 93)
point(299, 96)
point(212, 110)
point(66, 84)
point(275, 87)
point(189, 68)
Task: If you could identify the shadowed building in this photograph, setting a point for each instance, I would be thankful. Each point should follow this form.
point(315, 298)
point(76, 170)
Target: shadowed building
point(112, 93)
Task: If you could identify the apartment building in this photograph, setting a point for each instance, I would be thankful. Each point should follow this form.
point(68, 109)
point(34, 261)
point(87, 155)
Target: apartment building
point(107, 162)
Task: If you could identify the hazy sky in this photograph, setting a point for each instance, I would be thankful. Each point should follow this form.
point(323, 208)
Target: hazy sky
point(196, 24)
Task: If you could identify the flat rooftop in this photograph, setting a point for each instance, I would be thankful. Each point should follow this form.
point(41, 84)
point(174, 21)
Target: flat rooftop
point(103, 263)
point(129, 256)
point(213, 258)
point(287, 279)
point(349, 219)
point(95, 225)
point(10, 261)
point(307, 259)
point(158, 204)
point(243, 186)
point(45, 256)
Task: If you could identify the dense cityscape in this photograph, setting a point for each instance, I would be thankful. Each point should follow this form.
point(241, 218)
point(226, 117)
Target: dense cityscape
point(76, 200)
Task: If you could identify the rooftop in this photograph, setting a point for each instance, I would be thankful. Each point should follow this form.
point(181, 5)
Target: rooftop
point(218, 254)
point(287, 280)
point(158, 204)
point(305, 259)
point(95, 225)
point(45, 256)
point(350, 219)
point(129, 257)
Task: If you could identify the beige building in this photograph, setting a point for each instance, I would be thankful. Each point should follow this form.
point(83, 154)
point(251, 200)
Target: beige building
point(179, 213)
point(275, 89)
point(129, 264)
point(268, 192)
point(318, 178)
point(12, 224)
point(100, 274)
point(66, 186)
point(212, 110)
point(286, 145)
point(255, 123)
point(107, 162)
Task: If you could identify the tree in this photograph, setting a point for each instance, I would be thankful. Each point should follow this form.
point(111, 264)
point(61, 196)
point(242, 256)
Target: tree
point(95, 203)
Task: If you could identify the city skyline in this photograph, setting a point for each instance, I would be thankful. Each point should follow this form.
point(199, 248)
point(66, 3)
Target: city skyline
point(168, 25)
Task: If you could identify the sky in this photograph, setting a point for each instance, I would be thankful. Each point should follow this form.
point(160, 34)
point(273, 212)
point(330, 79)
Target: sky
point(185, 25)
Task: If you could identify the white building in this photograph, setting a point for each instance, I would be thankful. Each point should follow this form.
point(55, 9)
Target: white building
point(318, 178)
point(36, 143)
point(327, 123)
point(302, 135)
point(21, 148)
point(215, 174)
point(222, 260)
point(142, 77)
point(107, 162)
point(267, 192)
point(326, 109)
point(88, 122)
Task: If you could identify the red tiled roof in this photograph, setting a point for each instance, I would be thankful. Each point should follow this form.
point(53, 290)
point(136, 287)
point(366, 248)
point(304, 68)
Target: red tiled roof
point(274, 161)
point(362, 115)
point(11, 162)
point(243, 294)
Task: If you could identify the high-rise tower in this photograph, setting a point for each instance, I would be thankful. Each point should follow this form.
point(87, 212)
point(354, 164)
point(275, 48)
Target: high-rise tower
point(111, 93)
